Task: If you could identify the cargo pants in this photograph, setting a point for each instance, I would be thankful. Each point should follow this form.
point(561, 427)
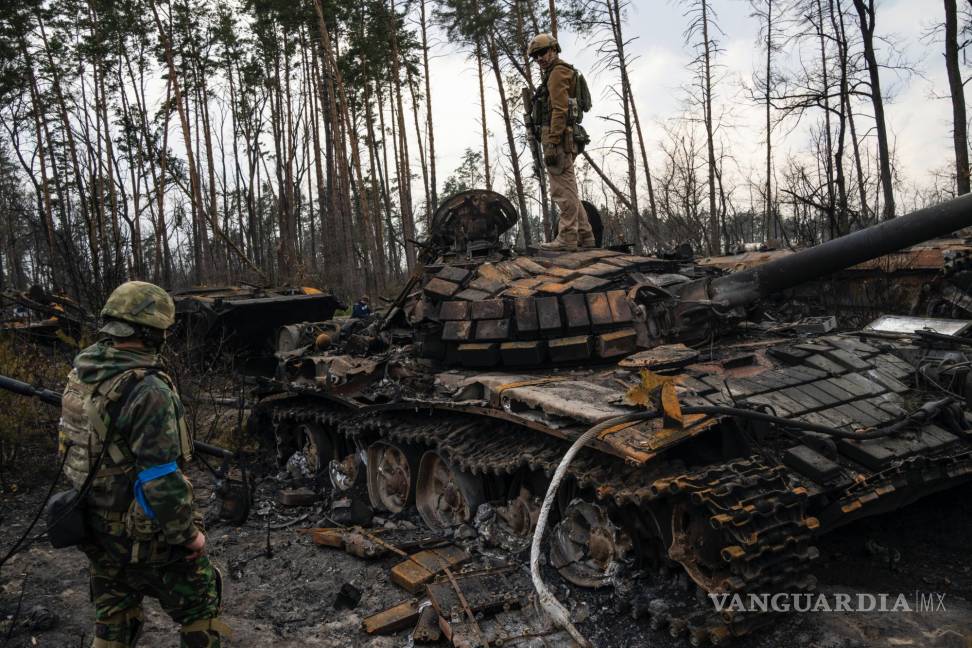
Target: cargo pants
point(573, 227)
point(187, 590)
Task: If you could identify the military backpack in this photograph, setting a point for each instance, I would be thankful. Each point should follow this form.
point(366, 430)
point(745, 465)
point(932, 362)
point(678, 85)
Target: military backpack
point(578, 104)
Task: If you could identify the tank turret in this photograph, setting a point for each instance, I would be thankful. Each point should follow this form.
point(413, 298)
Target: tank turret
point(481, 305)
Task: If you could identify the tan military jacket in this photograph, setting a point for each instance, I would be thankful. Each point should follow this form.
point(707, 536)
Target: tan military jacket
point(560, 87)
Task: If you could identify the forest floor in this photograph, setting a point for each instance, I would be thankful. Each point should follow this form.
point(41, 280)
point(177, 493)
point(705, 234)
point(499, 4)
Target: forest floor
point(285, 597)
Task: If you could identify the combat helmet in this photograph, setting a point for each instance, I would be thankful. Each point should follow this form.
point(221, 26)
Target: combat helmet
point(140, 303)
point(542, 42)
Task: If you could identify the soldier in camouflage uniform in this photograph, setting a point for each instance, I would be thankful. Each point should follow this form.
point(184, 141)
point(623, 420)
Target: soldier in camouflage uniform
point(144, 533)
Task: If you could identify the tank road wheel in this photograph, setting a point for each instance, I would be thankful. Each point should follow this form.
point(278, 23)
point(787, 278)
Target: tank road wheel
point(316, 446)
point(304, 451)
point(520, 515)
point(587, 547)
point(698, 546)
point(285, 442)
point(391, 476)
point(445, 496)
point(344, 471)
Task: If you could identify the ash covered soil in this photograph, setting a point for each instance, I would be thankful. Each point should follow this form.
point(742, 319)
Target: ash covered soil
point(285, 597)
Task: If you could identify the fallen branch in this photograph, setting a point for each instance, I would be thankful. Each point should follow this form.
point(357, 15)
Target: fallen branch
point(607, 181)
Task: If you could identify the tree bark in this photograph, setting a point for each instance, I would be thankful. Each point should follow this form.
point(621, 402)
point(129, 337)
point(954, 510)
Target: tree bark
point(487, 171)
point(421, 149)
point(404, 178)
point(324, 207)
point(855, 142)
point(430, 130)
point(511, 142)
point(715, 238)
point(865, 13)
point(634, 221)
point(346, 124)
point(960, 139)
point(47, 210)
point(769, 222)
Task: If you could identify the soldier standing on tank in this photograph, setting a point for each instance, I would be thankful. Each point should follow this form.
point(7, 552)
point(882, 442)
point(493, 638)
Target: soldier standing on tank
point(145, 535)
point(552, 114)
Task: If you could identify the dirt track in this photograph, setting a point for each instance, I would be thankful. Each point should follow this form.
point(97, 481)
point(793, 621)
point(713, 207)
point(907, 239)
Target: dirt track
point(286, 599)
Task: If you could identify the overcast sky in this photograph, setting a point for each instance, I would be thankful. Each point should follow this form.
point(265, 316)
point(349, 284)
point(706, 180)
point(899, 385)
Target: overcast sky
point(919, 123)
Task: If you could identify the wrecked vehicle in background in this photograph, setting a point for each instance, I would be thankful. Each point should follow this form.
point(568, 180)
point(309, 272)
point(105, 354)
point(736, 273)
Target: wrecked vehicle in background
point(241, 322)
point(45, 317)
point(737, 440)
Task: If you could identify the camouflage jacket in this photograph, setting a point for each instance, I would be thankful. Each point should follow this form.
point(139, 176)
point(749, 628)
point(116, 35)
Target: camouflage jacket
point(149, 426)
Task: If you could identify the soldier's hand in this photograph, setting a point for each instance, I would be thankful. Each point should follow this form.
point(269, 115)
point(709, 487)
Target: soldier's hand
point(196, 546)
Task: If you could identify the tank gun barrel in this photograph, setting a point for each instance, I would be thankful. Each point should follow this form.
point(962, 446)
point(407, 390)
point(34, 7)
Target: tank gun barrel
point(25, 389)
point(745, 287)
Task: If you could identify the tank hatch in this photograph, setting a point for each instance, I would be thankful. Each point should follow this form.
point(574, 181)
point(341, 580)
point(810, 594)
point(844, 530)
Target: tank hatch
point(469, 224)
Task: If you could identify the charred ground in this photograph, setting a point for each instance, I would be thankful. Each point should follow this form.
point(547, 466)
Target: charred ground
point(285, 597)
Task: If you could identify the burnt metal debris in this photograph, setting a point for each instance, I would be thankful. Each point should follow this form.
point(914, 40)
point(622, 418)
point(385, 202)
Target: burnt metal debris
point(468, 390)
point(347, 597)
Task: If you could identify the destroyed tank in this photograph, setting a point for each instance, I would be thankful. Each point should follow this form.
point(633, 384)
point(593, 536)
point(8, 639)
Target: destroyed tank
point(932, 278)
point(753, 438)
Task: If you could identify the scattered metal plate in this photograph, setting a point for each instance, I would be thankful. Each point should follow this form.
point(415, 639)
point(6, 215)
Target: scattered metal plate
point(298, 497)
point(906, 324)
point(668, 356)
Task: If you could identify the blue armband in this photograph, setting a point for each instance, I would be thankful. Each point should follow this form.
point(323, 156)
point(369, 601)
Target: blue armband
point(146, 476)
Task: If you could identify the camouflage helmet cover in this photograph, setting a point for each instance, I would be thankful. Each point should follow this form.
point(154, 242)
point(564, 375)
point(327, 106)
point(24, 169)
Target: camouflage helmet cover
point(140, 303)
point(541, 42)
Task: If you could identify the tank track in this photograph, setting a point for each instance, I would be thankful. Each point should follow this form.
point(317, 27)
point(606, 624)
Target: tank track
point(901, 477)
point(483, 446)
point(766, 541)
point(766, 536)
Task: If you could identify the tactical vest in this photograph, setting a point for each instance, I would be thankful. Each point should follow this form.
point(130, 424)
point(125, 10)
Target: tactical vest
point(86, 410)
point(578, 98)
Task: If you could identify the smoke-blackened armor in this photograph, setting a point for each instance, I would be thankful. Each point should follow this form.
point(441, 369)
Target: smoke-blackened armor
point(128, 392)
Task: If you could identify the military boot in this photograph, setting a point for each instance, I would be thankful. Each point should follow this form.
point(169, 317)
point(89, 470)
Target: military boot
point(559, 245)
point(205, 633)
point(121, 630)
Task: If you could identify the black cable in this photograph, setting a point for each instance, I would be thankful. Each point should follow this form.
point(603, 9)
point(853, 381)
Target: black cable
point(718, 410)
point(721, 410)
point(16, 615)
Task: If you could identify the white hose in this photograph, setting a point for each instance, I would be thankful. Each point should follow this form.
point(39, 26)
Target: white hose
point(554, 608)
